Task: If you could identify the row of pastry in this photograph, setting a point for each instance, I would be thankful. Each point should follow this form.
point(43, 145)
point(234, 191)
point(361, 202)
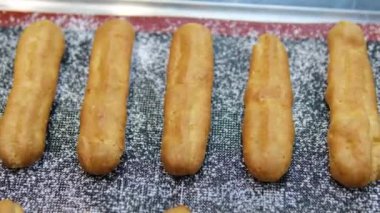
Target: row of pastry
point(9, 206)
point(268, 129)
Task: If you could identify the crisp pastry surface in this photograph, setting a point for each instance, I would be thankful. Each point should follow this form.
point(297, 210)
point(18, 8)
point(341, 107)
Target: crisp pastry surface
point(178, 209)
point(104, 110)
point(8, 206)
point(268, 129)
point(36, 67)
point(354, 133)
point(187, 108)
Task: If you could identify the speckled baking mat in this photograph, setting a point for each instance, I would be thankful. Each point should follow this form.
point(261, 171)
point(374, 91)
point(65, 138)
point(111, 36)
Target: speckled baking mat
point(57, 183)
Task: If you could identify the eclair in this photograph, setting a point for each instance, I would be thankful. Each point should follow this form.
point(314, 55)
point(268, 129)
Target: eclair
point(104, 113)
point(268, 128)
point(36, 68)
point(354, 131)
point(187, 110)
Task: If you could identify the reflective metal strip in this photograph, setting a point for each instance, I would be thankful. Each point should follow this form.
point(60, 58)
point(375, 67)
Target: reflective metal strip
point(225, 11)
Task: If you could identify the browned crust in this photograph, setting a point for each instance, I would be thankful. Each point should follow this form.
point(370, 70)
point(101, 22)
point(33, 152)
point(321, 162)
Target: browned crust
point(178, 209)
point(23, 126)
point(187, 108)
point(103, 116)
point(8, 206)
point(353, 136)
point(268, 129)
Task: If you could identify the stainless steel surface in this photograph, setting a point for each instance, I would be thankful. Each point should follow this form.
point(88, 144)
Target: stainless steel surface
point(227, 11)
point(338, 4)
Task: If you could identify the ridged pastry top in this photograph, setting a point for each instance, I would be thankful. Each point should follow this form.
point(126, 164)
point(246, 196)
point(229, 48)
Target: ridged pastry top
point(188, 49)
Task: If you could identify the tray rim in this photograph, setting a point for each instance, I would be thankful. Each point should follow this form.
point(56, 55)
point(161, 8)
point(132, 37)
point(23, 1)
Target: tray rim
point(194, 9)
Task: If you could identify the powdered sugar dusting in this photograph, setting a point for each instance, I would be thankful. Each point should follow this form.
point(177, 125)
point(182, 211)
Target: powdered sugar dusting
point(57, 183)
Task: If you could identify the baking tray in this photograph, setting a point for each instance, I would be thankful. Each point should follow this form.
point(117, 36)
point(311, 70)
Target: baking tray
point(56, 183)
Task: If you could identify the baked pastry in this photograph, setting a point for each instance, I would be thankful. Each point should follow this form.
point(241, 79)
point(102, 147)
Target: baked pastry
point(179, 209)
point(354, 133)
point(8, 206)
point(36, 68)
point(103, 116)
point(187, 110)
point(268, 129)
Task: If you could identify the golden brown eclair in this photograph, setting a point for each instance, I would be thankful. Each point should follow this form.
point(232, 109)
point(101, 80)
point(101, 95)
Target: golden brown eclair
point(354, 132)
point(187, 108)
point(103, 116)
point(8, 206)
point(36, 68)
point(179, 209)
point(268, 129)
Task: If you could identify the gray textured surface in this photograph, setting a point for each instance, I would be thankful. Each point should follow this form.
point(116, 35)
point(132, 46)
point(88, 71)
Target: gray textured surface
point(57, 183)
